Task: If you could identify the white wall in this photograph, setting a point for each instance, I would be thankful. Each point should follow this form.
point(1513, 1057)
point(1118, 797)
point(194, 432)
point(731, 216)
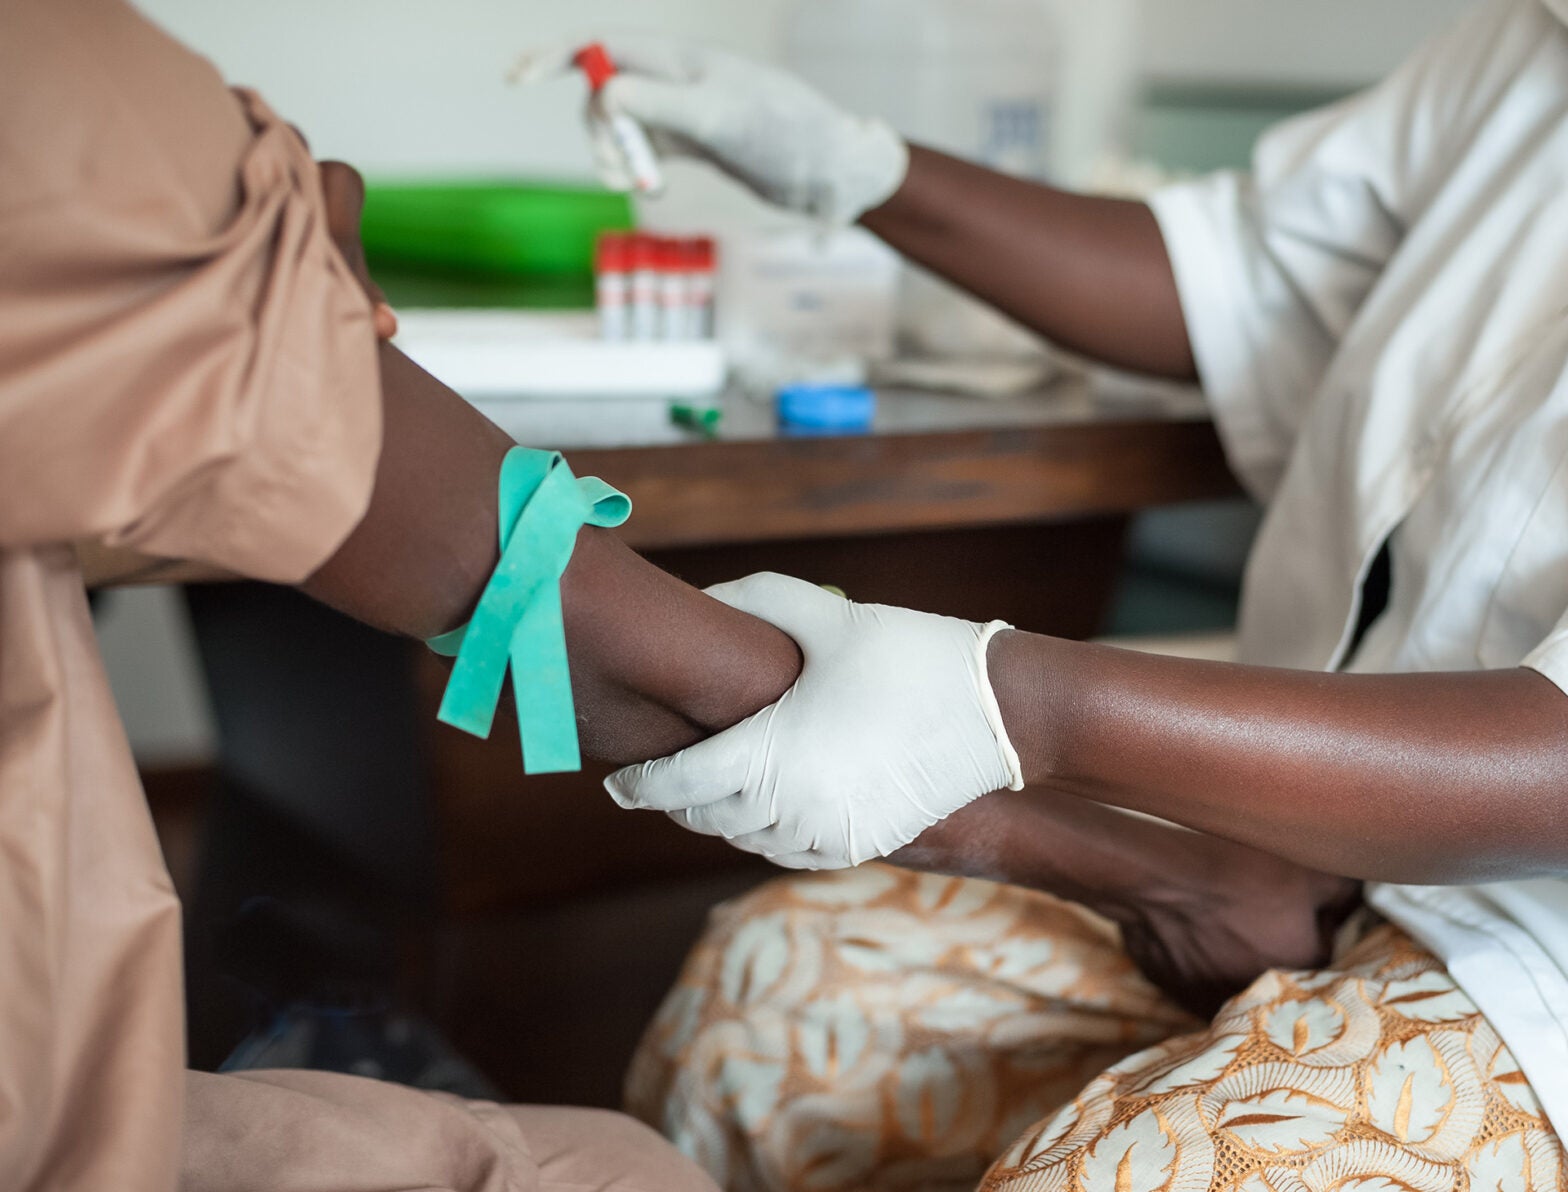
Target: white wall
point(413, 87)
point(1337, 43)
point(409, 86)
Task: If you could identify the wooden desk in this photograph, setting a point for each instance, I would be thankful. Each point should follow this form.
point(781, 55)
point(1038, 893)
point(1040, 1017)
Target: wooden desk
point(930, 462)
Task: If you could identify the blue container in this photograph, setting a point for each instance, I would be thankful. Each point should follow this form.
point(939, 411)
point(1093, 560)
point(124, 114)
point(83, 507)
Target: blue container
point(826, 407)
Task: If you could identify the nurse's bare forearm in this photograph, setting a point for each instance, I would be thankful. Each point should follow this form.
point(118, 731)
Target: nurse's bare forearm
point(1408, 778)
point(656, 665)
point(1090, 274)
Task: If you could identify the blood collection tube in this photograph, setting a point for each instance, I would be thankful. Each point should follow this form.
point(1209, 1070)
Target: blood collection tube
point(644, 261)
point(613, 284)
point(639, 162)
point(686, 320)
point(672, 290)
point(702, 256)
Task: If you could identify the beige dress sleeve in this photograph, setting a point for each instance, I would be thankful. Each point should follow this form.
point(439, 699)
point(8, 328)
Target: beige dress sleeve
point(187, 366)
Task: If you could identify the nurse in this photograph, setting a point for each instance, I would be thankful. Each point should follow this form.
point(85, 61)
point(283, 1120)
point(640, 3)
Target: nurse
point(190, 369)
point(1378, 312)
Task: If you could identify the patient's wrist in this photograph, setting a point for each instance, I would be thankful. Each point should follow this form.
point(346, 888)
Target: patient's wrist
point(656, 664)
point(1033, 678)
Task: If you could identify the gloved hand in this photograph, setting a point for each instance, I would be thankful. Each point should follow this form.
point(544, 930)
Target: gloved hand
point(890, 729)
point(758, 124)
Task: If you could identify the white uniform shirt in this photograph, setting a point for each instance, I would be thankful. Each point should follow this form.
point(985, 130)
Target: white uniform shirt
point(1380, 316)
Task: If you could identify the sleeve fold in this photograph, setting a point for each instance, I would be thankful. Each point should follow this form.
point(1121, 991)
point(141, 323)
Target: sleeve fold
point(186, 369)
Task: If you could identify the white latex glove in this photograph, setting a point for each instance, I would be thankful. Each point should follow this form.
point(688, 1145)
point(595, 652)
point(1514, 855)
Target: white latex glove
point(760, 125)
point(891, 728)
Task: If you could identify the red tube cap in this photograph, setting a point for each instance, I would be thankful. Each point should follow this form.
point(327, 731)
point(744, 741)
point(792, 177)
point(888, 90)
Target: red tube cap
point(644, 253)
point(595, 62)
point(614, 253)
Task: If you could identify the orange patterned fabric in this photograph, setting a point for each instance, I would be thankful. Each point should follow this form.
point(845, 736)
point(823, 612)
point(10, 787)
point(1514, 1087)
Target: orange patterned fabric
point(884, 1030)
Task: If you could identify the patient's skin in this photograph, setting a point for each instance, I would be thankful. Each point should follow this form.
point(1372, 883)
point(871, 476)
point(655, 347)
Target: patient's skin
point(656, 665)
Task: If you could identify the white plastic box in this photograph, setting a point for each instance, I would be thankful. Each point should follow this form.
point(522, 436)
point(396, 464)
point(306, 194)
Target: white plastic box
point(500, 354)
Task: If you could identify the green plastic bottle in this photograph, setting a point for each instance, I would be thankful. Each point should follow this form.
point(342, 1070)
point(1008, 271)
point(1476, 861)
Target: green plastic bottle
point(487, 243)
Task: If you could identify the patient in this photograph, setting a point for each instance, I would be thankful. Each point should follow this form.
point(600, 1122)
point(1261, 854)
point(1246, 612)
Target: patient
point(193, 368)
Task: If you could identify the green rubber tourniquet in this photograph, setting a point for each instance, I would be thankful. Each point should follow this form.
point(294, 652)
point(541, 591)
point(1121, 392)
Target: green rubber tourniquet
point(518, 621)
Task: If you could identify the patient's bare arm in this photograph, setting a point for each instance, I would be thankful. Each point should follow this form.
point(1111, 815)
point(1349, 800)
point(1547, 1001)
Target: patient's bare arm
point(656, 665)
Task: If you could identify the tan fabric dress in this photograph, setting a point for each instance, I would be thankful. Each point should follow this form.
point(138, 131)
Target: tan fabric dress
point(881, 1031)
point(186, 367)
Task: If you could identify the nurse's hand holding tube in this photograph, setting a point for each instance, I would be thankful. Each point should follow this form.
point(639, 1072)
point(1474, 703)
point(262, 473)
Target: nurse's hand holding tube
point(758, 124)
point(891, 728)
